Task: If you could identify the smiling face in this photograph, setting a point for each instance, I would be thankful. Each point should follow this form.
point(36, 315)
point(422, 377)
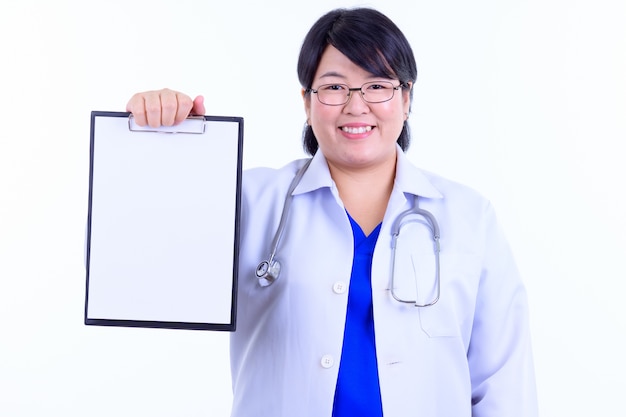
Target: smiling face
point(357, 134)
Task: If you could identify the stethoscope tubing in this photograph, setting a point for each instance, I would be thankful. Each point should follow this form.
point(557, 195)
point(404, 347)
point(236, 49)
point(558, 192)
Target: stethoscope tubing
point(268, 270)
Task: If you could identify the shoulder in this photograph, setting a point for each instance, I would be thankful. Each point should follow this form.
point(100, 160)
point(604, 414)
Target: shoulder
point(455, 192)
point(448, 186)
point(265, 180)
point(461, 207)
point(432, 187)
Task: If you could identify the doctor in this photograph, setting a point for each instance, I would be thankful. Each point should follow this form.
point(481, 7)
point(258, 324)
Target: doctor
point(386, 290)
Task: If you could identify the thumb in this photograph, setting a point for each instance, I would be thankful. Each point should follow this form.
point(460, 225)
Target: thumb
point(198, 106)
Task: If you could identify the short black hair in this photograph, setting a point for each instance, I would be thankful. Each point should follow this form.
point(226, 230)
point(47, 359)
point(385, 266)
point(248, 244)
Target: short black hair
point(369, 39)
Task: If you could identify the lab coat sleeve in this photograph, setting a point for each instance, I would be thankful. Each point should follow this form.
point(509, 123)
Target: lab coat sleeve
point(500, 354)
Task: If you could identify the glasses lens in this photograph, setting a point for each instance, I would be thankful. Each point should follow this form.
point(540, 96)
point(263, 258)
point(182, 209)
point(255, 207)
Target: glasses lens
point(333, 94)
point(378, 91)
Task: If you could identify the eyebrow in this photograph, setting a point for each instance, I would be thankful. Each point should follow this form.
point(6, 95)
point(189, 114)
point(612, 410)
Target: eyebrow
point(332, 74)
point(339, 75)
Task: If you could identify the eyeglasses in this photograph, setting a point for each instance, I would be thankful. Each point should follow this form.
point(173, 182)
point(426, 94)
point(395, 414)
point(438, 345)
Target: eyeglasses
point(339, 94)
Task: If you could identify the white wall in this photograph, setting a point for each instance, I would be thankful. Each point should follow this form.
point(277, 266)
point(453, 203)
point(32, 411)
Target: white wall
point(524, 101)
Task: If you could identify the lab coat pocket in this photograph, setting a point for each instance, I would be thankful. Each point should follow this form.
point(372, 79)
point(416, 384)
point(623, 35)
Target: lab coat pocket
point(415, 266)
point(438, 321)
point(417, 281)
point(452, 315)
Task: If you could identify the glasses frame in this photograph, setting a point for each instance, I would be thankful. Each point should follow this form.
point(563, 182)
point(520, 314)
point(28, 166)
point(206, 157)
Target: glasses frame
point(350, 90)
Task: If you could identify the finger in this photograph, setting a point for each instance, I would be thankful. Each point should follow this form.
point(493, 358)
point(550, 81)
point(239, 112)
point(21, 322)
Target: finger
point(152, 105)
point(198, 106)
point(169, 106)
point(184, 107)
point(136, 106)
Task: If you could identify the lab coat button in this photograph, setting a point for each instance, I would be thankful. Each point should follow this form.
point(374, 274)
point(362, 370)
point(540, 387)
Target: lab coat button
point(339, 287)
point(327, 361)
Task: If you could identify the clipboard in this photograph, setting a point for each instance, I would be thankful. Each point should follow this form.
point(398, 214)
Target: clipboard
point(163, 223)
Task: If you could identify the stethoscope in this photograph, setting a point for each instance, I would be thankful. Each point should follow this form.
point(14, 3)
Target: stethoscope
point(268, 270)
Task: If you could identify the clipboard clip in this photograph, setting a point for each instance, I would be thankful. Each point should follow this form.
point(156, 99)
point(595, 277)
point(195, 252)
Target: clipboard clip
point(192, 124)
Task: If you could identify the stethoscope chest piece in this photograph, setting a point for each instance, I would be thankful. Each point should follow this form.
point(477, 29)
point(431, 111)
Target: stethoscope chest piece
point(267, 272)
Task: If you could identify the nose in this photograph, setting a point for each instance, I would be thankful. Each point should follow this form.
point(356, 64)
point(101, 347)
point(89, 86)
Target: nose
point(356, 105)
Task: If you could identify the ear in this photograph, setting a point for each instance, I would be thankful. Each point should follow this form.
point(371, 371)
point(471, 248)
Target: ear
point(307, 103)
point(406, 97)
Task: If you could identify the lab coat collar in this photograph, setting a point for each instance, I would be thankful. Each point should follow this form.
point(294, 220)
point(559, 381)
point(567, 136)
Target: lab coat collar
point(316, 176)
point(409, 178)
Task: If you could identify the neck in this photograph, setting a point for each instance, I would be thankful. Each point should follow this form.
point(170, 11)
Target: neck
point(365, 192)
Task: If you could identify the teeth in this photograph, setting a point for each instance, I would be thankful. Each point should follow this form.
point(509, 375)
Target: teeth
point(356, 130)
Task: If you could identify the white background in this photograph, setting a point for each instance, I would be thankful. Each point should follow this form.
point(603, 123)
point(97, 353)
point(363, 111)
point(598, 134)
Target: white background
point(523, 100)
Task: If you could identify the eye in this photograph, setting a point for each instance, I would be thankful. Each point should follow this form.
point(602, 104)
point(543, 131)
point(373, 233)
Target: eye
point(382, 85)
point(333, 87)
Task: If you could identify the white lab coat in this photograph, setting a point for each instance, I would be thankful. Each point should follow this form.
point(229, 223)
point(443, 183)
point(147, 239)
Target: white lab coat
point(468, 355)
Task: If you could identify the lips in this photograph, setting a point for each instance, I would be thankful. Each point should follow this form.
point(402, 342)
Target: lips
point(356, 130)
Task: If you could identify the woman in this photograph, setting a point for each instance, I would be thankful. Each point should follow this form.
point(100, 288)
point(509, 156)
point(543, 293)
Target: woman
point(362, 322)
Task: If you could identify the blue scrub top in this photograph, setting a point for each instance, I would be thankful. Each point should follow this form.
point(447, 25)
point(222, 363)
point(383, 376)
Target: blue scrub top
point(358, 392)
